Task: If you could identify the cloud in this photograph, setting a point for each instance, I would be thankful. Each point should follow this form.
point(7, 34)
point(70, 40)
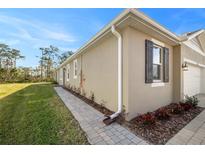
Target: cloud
point(36, 30)
point(23, 34)
point(64, 49)
point(58, 36)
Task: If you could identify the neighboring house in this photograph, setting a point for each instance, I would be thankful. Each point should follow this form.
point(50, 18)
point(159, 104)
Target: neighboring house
point(137, 64)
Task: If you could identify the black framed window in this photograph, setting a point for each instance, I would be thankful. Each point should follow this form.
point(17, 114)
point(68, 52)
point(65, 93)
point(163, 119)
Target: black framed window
point(156, 63)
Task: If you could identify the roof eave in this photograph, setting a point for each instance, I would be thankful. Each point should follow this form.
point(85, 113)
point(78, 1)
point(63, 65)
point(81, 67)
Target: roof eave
point(186, 38)
point(117, 22)
point(106, 28)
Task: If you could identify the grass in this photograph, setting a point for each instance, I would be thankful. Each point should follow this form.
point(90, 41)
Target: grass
point(8, 89)
point(34, 114)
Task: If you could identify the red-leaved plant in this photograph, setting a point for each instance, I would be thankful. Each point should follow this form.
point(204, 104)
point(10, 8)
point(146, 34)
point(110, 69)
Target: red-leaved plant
point(162, 114)
point(177, 109)
point(148, 118)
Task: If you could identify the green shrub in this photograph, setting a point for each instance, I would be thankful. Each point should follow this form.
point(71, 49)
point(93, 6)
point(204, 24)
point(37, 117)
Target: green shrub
point(192, 100)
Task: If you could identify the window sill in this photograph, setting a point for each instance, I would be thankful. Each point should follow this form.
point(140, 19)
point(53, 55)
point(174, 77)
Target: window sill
point(158, 84)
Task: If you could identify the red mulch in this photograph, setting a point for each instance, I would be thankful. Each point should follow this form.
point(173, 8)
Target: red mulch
point(163, 130)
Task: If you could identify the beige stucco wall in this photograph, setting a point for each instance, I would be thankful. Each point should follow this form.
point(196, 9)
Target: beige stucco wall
point(203, 81)
point(99, 67)
point(177, 74)
point(99, 72)
point(60, 76)
point(143, 97)
point(73, 82)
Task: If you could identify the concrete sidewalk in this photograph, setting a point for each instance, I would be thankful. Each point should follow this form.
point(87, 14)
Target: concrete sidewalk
point(192, 134)
point(91, 122)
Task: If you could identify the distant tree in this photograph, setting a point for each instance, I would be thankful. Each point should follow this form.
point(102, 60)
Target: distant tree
point(4, 49)
point(48, 58)
point(64, 56)
point(9, 56)
point(16, 54)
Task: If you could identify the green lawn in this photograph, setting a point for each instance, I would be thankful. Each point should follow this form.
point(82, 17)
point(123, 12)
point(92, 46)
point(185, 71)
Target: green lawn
point(34, 114)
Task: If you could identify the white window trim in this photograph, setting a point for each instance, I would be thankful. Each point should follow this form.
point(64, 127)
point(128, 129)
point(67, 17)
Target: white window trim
point(75, 63)
point(68, 71)
point(61, 74)
point(158, 84)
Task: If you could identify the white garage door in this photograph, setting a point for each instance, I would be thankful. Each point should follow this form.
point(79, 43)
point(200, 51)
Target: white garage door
point(192, 80)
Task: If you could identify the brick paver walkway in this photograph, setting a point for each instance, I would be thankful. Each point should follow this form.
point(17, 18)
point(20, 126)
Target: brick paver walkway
point(91, 122)
point(192, 133)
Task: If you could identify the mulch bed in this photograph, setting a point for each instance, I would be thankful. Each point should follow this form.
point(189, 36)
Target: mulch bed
point(162, 130)
point(90, 102)
point(159, 132)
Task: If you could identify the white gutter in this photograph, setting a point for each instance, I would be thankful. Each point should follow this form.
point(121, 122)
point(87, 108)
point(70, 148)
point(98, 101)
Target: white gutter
point(119, 69)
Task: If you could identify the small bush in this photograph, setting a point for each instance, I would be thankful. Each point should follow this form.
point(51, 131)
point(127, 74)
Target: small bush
point(162, 114)
point(92, 97)
point(78, 91)
point(148, 119)
point(192, 100)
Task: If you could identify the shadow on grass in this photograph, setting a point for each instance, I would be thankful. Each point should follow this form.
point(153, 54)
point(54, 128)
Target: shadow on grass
point(35, 115)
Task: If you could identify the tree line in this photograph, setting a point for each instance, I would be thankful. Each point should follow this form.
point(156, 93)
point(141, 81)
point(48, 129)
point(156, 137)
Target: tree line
point(49, 59)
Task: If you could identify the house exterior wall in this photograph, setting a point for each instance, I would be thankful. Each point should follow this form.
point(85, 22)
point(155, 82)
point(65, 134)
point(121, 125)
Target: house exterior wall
point(203, 81)
point(190, 54)
point(99, 72)
point(177, 74)
point(73, 82)
point(143, 97)
point(60, 76)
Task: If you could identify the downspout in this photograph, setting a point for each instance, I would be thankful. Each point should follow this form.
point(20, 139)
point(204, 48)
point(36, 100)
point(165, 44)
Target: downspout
point(119, 76)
